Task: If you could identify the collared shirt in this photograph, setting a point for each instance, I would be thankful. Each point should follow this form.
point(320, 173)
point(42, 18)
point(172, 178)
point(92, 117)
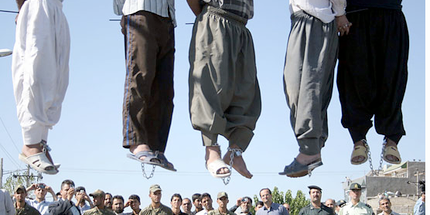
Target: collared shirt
point(311, 210)
point(42, 206)
point(420, 207)
point(6, 204)
point(243, 8)
point(217, 212)
point(83, 208)
point(359, 208)
point(97, 211)
point(325, 10)
point(275, 209)
point(26, 210)
point(392, 213)
point(163, 8)
point(162, 210)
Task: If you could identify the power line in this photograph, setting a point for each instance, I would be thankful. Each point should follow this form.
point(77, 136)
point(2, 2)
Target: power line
point(9, 156)
point(10, 137)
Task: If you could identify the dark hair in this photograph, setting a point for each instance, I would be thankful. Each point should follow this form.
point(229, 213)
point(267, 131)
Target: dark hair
point(176, 195)
point(118, 197)
point(259, 203)
point(384, 198)
point(205, 195)
point(135, 197)
point(69, 182)
point(196, 196)
point(246, 197)
point(270, 192)
point(109, 194)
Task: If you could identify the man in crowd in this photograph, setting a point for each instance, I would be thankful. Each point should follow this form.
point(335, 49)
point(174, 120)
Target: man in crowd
point(419, 208)
point(99, 209)
point(245, 204)
point(385, 206)
point(270, 208)
point(206, 203)
point(118, 205)
point(21, 207)
point(156, 208)
point(81, 196)
point(287, 206)
point(222, 200)
point(134, 203)
point(40, 191)
point(355, 206)
point(258, 205)
point(197, 202)
point(316, 207)
point(108, 201)
point(176, 202)
point(7, 207)
point(65, 206)
point(186, 206)
point(339, 205)
point(330, 203)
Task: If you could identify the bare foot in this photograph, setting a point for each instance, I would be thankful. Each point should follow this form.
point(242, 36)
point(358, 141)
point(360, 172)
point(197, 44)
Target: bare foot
point(29, 150)
point(358, 159)
point(139, 148)
point(214, 153)
point(391, 157)
point(238, 163)
point(168, 162)
point(307, 159)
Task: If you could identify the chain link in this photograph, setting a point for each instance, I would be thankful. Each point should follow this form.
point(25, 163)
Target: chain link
point(375, 172)
point(234, 152)
point(152, 171)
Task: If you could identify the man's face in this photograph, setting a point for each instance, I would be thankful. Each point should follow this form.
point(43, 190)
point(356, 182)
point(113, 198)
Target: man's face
point(80, 195)
point(329, 203)
point(222, 202)
point(258, 207)
point(134, 204)
point(245, 205)
point(155, 196)
point(176, 202)
point(266, 197)
point(98, 200)
point(385, 205)
point(108, 201)
point(20, 195)
point(118, 206)
point(64, 190)
point(355, 194)
point(315, 195)
point(198, 204)
point(186, 205)
point(207, 203)
point(40, 193)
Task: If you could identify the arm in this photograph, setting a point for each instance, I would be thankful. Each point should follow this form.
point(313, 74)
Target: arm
point(51, 191)
point(195, 6)
point(234, 208)
point(59, 207)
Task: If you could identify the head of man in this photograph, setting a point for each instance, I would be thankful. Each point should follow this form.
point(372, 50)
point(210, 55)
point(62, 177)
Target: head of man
point(222, 200)
point(108, 200)
point(67, 189)
point(80, 193)
point(287, 206)
point(134, 202)
point(315, 195)
point(118, 204)
point(245, 204)
point(385, 205)
point(186, 205)
point(258, 205)
point(330, 203)
point(206, 201)
point(266, 196)
point(355, 192)
point(423, 196)
point(155, 194)
point(98, 198)
point(20, 193)
point(197, 201)
point(176, 201)
point(40, 191)
point(340, 204)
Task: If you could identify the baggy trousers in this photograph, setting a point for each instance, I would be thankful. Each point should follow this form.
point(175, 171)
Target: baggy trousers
point(40, 67)
point(148, 94)
point(372, 72)
point(308, 78)
point(224, 93)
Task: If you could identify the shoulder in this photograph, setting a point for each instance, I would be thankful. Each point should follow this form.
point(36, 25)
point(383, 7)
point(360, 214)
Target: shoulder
point(166, 209)
point(230, 213)
point(32, 210)
point(304, 209)
point(327, 209)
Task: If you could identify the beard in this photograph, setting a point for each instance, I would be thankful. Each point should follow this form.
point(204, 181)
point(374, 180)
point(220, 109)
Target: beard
point(119, 210)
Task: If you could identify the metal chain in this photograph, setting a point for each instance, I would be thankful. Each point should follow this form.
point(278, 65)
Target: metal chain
point(234, 152)
point(153, 169)
point(376, 172)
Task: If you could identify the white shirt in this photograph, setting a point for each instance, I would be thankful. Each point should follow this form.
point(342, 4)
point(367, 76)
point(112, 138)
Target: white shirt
point(163, 8)
point(6, 205)
point(325, 10)
point(392, 213)
point(42, 206)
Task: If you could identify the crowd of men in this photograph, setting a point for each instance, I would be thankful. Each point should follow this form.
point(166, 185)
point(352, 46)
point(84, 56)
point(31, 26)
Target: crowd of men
point(104, 203)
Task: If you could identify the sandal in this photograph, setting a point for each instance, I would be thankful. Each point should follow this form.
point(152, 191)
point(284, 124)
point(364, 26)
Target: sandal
point(296, 169)
point(216, 165)
point(40, 163)
point(393, 151)
point(360, 151)
point(164, 163)
point(150, 157)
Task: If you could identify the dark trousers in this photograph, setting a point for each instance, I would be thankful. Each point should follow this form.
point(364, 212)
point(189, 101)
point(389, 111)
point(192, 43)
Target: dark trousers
point(148, 94)
point(372, 72)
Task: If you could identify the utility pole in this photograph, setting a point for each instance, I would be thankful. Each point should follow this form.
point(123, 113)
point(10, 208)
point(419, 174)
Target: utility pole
point(417, 173)
point(1, 173)
point(27, 181)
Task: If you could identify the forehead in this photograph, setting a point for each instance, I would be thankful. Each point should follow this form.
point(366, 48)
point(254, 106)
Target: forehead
point(176, 198)
point(384, 201)
point(186, 201)
point(265, 192)
point(117, 201)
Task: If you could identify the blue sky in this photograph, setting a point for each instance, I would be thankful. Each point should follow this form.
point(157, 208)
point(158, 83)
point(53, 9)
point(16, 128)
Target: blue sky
point(87, 140)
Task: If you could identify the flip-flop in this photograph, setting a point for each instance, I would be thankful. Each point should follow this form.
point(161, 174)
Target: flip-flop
point(393, 151)
point(360, 151)
point(40, 163)
point(164, 163)
point(216, 165)
point(296, 169)
point(150, 157)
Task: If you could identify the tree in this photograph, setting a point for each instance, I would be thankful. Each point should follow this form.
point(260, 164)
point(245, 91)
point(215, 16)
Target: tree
point(296, 203)
point(18, 178)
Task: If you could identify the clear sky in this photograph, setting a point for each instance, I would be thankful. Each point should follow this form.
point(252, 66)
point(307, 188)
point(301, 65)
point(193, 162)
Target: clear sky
point(88, 139)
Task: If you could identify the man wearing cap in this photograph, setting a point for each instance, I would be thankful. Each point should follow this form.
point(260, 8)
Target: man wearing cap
point(206, 200)
point(99, 209)
point(222, 200)
point(156, 208)
point(355, 206)
point(21, 207)
point(270, 208)
point(65, 206)
point(339, 205)
point(245, 204)
point(81, 196)
point(385, 206)
point(40, 191)
point(186, 205)
point(316, 207)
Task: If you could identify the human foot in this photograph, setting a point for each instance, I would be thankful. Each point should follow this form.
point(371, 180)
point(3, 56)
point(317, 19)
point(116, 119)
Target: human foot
point(165, 163)
point(214, 164)
point(302, 165)
point(359, 153)
point(238, 163)
point(38, 157)
point(144, 154)
point(391, 153)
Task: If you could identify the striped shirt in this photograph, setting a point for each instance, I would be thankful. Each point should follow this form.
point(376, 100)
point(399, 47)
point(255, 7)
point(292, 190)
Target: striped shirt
point(243, 8)
point(163, 8)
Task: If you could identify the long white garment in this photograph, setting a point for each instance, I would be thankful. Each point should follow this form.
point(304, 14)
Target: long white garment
point(325, 10)
point(6, 204)
point(40, 67)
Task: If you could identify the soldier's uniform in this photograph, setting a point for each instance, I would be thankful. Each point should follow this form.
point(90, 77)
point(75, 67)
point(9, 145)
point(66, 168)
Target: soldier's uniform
point(358, 209)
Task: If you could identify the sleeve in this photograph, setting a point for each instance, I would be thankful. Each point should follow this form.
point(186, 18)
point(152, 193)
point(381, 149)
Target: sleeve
point(59, 207)
point(10, 209)
point(284, 210)
point(339, 7)
point(117, 7)
point(233, 209)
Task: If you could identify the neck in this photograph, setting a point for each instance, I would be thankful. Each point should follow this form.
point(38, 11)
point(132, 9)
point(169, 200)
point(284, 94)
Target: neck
point(155, 204)
point(316, 204)
point(387, 212)
point(354, 202)
point(40, 199)
point(176, 210)
point(199, 209)
point(268, 205)
point(222, 210)
point(20, 204)
point(100, 207)
point(136, 211)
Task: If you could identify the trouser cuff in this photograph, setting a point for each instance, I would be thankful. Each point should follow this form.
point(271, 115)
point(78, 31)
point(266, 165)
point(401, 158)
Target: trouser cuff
point(209, 139)
point(396, 138)
point(241, 137)
point(34, 134)
point(309, 146)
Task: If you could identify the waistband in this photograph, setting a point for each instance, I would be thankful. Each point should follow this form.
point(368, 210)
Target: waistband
point(225, 14)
